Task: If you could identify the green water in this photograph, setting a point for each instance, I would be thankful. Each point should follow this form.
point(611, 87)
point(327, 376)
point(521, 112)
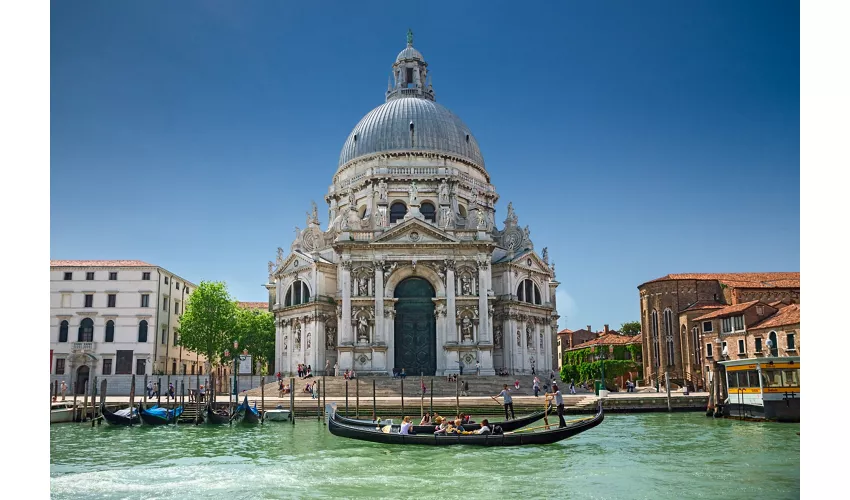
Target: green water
point(651, 455)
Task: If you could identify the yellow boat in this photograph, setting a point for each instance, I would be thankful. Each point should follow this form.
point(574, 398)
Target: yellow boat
point(763, 388)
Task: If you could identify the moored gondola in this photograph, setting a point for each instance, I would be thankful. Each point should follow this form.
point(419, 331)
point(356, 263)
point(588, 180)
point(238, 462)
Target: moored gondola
point(216, 418)
point(126, 417)
point(246, 414)
point(157, 415)
point(516, 438)
point(507, 425)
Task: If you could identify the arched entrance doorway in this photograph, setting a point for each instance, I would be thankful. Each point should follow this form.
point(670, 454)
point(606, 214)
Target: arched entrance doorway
point(82, 378)
point(415, 327)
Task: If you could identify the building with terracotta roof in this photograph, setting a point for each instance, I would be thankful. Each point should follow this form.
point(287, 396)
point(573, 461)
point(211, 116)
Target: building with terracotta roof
point(607, 340)
point(682, 313)
point(116, 318)
point(568, 339)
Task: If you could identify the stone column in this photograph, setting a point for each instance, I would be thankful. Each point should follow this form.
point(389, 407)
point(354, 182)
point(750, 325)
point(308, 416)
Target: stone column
point(345, 334)
point(278, 343)
point(379, 305)
point(451, 308)
point(484, 334)
point(278, 290)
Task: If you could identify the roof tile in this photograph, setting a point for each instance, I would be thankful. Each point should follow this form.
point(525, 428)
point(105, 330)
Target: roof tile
point(99, 263)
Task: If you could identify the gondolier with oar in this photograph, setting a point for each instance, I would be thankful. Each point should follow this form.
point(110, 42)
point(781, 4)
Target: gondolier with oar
point(559, 401)
point(508, 402)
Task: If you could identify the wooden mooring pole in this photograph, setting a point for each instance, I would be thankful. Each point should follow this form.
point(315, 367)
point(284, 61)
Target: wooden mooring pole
point(102, 399)
point(431, 406)
point(356, 398)
point(402, 397)
point(292, 400)
point(132, 393)
point(74, 390)
point(374, 402)
point(457, 395)
point(324, 396)
point(422, 397)
point(667, 386)
point(346, 398)
point(262, 398)
point(55, 392)
point(319, 402)
point(158, 389)
point(93, 401)
point(145, 390)
point(85, 401)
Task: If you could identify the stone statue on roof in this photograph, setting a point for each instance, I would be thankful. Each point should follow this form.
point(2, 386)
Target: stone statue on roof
point(409, 36)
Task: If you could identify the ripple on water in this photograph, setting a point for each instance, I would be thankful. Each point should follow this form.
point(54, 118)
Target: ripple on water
point(636, 456)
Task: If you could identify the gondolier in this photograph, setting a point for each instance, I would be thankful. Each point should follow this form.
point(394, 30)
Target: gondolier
point(508, 402)
point(559, 402)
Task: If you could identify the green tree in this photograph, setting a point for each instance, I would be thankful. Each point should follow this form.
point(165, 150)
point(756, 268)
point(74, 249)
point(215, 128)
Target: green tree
point(630, 328)
point(255, 332)
point(208, 326)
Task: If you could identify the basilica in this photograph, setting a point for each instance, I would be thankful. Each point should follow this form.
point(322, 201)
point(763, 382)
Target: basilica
point(412, 270)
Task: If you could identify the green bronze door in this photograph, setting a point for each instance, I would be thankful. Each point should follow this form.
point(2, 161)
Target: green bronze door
point(415, 329)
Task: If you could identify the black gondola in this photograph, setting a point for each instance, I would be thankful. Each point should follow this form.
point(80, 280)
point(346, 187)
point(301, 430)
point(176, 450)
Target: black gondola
point(516, 438)
point(507, 425)
point(214, 418)
point(159, 416)
point(246, 414)
point(126, 417)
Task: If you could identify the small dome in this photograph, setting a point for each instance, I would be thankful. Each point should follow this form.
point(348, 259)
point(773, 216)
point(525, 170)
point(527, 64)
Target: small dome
point(433, 127)
point(409, 53)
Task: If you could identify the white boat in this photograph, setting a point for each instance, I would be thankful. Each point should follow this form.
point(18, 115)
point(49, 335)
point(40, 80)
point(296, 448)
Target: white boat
point(277, 415)
point(62, 412)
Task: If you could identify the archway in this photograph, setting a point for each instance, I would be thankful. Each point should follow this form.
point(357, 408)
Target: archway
point(82, 378)
point(415, 327)
point(774, 348)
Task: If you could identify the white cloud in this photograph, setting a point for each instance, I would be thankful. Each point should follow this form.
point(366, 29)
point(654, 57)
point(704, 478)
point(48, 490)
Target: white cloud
point(567, 308)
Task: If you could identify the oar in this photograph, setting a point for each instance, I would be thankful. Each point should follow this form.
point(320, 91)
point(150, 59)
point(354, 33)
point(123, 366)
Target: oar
point(542, 426)
point(546, 400)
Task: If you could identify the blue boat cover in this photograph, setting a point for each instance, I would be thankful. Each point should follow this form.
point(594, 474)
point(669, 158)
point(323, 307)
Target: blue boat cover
point(245, 406)
point(164, 413)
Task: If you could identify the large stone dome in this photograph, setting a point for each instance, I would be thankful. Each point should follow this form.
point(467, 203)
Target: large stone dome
point(411, 124)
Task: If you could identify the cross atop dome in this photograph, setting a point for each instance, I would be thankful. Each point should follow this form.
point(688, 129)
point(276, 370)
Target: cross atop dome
point(410, 74)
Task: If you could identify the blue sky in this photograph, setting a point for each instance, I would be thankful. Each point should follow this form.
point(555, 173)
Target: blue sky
point(636, 139)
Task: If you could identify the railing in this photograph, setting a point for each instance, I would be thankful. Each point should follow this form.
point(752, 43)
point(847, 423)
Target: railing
point(362, 235)
point(81, 347)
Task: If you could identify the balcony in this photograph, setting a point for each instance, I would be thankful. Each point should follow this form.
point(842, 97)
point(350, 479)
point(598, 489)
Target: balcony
point(82, 347)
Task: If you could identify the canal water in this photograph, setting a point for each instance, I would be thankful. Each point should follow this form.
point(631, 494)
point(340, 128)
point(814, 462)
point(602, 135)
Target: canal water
point(632, 456)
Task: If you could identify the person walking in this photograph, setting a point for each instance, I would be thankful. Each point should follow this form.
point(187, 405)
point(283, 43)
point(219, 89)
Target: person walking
point(572, 386)
point(559, 401)
point(478, 368)
point(422, 386)
point(536, 387)
point(464, 388)
point(508, 402)
point(150, 389)
point(170, 394)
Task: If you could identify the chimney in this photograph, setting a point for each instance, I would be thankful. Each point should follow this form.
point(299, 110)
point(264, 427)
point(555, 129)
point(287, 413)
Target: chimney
point(605, 330)
point(588, 329)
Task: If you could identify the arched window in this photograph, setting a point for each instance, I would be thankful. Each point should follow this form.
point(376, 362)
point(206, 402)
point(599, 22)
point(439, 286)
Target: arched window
point(461, 210)
point(527, 291)
point(428, 211)
point(63, 331)
point(110, 332)
point(86, 331)
point(774, 349)
point(397, 211)
point(361, 212)
point(143, 331)
point(653, 326)
point(668, 334)
point(297, 293)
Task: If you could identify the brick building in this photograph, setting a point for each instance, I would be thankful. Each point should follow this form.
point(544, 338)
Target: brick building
point(567, 339)
point(673, 311)
point(609, 339)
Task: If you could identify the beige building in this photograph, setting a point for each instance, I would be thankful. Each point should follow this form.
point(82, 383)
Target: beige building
point(672, 311)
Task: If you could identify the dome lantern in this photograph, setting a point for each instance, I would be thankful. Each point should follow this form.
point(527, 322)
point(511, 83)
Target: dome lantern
point(410, 72)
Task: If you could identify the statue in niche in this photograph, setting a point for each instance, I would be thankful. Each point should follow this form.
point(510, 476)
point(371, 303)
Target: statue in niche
point(382, 191)
point(414, 193)
point(466, 329)
point(382, 217)
point(351, 200)
point(511, 241)
point(362, 287)
point(298, 336)
point(285, 343)
point(497, 335)
point(465, 286)
point(528, 342)
point(363, 329)
point(330, 337)
point(482, 221)
point(309, 340)
point(518, 338)
point(444, 192)
point(447, 214)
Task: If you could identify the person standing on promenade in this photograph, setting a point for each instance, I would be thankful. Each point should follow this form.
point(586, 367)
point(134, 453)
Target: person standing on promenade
point(572, 386)
point(536, 387)
point(478, 368)
point(63, 389)
point(508, 402)
point(336, 369)
point(327, 367)
point(559, 401)
point(149, 388)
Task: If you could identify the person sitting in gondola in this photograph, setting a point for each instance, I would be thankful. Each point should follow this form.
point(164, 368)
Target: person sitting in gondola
point(426, 419)
point(457, 428)
point(442, 424)
point(406, 426)
point(485, 427)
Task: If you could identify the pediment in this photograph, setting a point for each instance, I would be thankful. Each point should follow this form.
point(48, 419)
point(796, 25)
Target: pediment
point(415, 231)
point(296, 261)
point(531, 261)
